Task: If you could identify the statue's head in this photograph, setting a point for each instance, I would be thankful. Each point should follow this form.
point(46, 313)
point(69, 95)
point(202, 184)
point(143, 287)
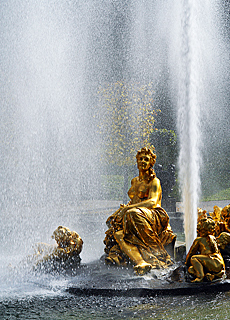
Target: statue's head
point(202, 214)
point(145, 151)
point(226, 212)
point(61, 234)
point(205, 227)
point(216, 214)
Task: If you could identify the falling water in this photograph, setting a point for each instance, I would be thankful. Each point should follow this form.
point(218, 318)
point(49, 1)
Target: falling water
point(197, 48)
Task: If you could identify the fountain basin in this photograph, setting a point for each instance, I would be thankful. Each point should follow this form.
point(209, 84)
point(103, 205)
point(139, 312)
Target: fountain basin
point(99, 279)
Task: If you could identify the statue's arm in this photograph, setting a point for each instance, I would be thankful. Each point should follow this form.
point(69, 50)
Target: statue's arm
point(193, 250)
point(152, 201)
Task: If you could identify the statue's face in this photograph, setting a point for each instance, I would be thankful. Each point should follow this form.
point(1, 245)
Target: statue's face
point(60, 235)
point(144, 161)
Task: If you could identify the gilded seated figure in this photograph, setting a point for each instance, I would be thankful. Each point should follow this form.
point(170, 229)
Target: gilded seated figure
point(204, 259)
point(139, 231)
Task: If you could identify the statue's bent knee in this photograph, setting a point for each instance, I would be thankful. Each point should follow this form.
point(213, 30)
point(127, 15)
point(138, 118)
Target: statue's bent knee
point(119, 235)
point(132, 213)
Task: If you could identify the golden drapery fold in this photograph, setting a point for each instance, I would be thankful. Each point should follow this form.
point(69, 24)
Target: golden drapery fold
point(147, 229)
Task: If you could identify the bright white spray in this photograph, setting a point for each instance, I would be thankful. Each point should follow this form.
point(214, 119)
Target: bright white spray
point(188, 119)
point(194, 62)
point(194, 48)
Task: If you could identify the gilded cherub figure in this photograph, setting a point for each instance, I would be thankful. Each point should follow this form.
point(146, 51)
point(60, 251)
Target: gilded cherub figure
point(223, 229)
point(201, 214)
point(216, 214)
point(204, 259)
point(225, 216)
point(140, 231)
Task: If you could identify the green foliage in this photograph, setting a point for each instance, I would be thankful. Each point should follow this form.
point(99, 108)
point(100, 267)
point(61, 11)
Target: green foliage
point(127, 119)
point(165, 143)
point(112, 187)
point(221, 195)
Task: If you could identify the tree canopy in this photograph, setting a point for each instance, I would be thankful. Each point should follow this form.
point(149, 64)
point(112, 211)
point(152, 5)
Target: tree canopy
point(127, 119)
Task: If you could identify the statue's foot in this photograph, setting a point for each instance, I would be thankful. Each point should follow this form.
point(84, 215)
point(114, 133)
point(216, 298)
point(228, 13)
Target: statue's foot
point(168, 262)
point(142, 268)
point(112, 261)
point(210, 277)
point(191, 270)
point(220, 274)
point(197, 280)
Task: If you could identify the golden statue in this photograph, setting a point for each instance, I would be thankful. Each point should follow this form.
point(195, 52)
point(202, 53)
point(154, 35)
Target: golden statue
point(225, 218)
point(201, 214)
point(222, 231)
point(139, 231)
point(204, 258)
point(216, 214)
point(67, 250)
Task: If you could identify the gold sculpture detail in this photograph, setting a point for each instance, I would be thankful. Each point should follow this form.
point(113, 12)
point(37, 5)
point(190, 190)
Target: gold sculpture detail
point(139, 231)
point(68, 248)
point(201, 214)
point(216, 214)
point(222, 230)
point(204, 258)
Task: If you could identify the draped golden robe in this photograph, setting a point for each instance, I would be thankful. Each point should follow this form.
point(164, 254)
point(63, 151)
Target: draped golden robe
point(147, 229)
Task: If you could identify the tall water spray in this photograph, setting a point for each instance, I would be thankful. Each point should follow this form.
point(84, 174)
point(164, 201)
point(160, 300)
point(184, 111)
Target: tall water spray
point(190, 82)
point(198, 69)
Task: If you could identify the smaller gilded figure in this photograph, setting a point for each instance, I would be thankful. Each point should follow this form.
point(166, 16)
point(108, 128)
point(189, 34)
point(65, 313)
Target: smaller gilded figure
point(201, 214)
point(223, 229)
point(204, 259)
point(223, 221)
point(65, 253)
point(216, 214)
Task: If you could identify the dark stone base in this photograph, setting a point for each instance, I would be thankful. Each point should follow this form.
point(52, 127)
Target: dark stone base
point(99, 279)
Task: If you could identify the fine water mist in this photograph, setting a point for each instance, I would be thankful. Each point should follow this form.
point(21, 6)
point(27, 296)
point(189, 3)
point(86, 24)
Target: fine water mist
point(48, 140)
point(54, 57)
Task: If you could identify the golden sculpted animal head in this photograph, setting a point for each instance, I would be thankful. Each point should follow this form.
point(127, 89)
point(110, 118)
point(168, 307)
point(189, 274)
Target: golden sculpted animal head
point(205, 227)
point(68, 239)
point(61, 235)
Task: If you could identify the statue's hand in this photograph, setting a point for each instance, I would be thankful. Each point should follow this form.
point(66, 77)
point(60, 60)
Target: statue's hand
point(122, 211)
point(120, 215)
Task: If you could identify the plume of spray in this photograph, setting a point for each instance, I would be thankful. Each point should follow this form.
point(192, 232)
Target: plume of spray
point(193, 44)
point(188, 120)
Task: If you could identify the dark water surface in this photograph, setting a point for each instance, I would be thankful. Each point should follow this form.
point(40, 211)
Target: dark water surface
point(66, 306)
